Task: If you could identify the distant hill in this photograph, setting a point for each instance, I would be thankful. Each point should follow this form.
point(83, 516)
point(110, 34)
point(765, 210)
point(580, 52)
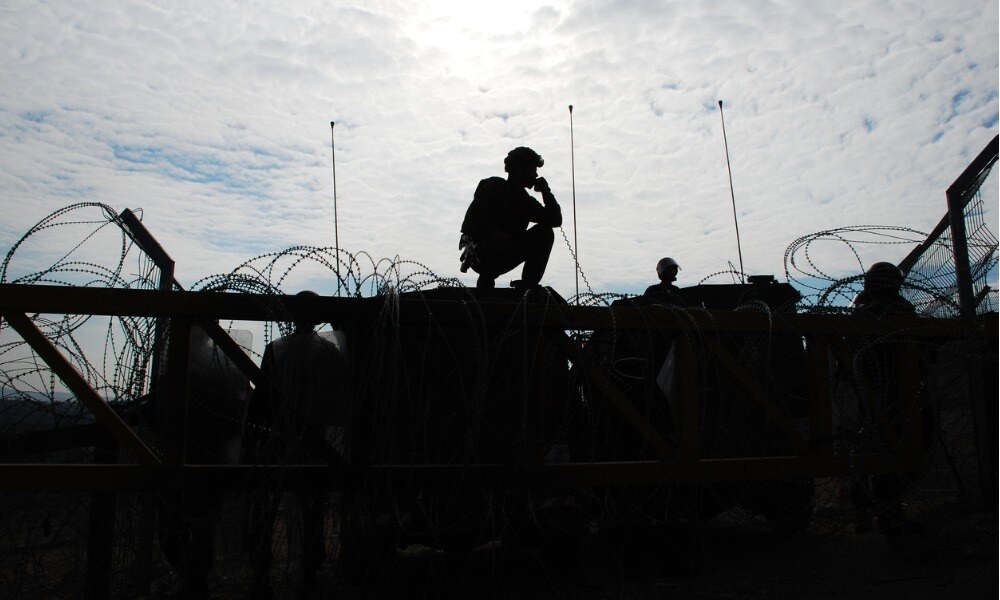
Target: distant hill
point(24, 412)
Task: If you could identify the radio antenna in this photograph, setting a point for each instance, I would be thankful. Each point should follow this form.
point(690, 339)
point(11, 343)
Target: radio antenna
point(739, 247)
point(336, 225)
point(576, 246)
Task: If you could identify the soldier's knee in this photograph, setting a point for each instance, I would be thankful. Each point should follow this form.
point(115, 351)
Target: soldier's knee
point(546, 235)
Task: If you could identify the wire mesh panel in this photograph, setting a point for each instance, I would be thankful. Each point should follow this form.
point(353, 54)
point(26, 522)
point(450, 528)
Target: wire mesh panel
point(933, 277)
point(981, 225)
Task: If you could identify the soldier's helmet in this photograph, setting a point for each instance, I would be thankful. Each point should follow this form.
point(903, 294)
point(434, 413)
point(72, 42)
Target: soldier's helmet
point(664, 264)
point(884, 276)
point(520, 158)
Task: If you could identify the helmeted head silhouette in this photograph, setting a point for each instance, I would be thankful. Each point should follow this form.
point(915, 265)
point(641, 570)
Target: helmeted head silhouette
point(666, 269)
point(303, 324)
point(884, 277)
point(522, 157)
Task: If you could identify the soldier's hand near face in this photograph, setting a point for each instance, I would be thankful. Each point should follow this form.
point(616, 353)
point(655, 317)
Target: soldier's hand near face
point(541, 185)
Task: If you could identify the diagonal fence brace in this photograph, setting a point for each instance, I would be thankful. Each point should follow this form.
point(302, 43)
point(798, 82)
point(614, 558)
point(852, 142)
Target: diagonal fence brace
point(613, 394)
point(103, 414)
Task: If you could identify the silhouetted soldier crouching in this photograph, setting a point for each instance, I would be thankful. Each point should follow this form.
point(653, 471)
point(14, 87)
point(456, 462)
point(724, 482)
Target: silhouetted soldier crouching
point(495, 233)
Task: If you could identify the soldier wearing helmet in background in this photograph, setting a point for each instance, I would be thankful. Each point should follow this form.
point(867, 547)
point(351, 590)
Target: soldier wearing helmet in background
point(664, 292)
point(881, 296)
point(298, 417)
point(495, 233)
point(878, 361)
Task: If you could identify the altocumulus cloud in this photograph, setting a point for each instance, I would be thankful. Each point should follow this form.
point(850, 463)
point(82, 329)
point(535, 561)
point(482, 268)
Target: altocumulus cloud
point(214, 118)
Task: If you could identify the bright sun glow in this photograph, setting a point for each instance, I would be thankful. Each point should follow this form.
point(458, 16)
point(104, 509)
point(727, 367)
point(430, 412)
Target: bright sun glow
point(470, 34)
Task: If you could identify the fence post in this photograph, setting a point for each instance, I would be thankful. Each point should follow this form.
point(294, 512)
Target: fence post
point(960, 249)
point(166, 265)
point(982, 382)
point(101, 528)
point(172, 393)
point(689, 415)
point(820, 400)
point(988, 450)
point(958, 196)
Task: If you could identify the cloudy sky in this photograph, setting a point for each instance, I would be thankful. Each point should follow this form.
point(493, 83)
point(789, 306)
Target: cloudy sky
point(214, 118)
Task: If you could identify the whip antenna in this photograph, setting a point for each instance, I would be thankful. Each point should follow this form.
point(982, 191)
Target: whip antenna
point(336, 232)
point(739, 248)
point(576, 245)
